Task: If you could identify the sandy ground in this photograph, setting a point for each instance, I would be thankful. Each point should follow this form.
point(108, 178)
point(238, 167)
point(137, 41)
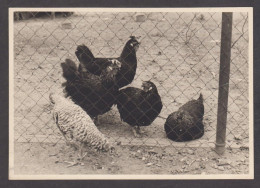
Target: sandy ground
point(49, 159)
point(182, 59)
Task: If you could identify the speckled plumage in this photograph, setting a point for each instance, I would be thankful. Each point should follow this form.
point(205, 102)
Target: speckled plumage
point(76, 125)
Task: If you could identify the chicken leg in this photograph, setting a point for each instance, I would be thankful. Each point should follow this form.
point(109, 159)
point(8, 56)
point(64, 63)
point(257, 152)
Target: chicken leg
point(138, 132)
point(96, 120)
point(134, 129)
point(80, 157)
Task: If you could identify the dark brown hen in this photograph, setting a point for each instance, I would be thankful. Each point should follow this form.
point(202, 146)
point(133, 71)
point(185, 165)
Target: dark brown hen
point(95, 94)
point(139, 107)
point(127, 59)
point(186, 123)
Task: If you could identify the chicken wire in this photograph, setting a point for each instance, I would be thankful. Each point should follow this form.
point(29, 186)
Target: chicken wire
point(179, 52)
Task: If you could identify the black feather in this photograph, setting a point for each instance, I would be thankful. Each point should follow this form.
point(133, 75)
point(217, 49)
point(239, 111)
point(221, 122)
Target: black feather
point(95, 94)
point(127, 59)
point(138, 107)
point(187, 123)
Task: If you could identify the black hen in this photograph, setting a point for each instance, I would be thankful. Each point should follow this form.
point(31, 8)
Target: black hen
point(95, 94)
point(139, 107)
point(186, 123)
point(95, 66)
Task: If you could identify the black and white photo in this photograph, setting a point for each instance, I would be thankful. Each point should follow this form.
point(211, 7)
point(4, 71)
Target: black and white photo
point(131, 93)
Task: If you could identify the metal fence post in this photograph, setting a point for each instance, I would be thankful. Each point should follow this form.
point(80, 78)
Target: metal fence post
point(52, 15)
point(224, 71)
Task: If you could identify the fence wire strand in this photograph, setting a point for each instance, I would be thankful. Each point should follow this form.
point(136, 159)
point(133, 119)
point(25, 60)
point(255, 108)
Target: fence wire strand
point(179, 52)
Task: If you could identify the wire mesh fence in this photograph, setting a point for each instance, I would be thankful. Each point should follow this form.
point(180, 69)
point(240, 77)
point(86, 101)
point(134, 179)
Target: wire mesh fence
point(178, 52)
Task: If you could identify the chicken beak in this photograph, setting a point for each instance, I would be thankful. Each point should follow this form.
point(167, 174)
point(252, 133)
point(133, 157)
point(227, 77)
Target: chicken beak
point(138, 44)
point(145, 88)
point(136, 47)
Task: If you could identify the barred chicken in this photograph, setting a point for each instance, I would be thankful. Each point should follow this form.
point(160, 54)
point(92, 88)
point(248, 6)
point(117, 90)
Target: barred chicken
point(76, 126)
point(127, 59)
point(95, 94)
point(186, 123)
point(139, 107)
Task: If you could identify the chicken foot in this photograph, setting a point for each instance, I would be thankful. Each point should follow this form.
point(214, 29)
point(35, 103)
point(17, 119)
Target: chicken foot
point(79, 159)
point(134, 129)
point(138, 132)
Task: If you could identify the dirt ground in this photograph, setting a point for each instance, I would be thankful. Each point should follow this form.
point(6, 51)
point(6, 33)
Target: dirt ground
point(179, 55)
point(129, 160)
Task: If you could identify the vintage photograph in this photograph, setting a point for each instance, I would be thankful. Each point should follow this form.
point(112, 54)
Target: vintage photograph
point(130, 93)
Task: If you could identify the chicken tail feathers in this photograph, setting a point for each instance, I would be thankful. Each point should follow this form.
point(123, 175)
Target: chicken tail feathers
point(84, 55)
point(200, 97)
point(69, 69)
